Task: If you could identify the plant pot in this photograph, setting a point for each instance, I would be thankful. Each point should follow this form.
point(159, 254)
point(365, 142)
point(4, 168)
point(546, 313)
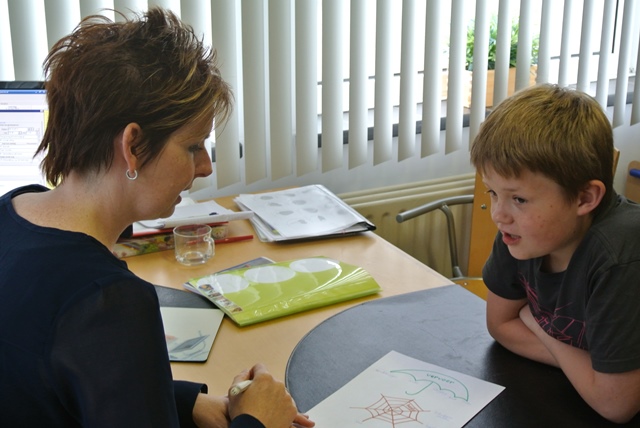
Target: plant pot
point(491, 82)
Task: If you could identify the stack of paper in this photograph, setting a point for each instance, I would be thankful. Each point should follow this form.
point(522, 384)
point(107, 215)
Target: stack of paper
point(207, 212)
point(149, 236)
point(302, 212)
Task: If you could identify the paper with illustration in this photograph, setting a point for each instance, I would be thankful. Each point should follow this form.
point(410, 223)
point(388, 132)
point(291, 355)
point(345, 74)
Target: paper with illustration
point(190, 332)
point(400, 390)
point(301, 212)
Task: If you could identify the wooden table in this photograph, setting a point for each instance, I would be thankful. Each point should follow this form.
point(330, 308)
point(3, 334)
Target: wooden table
point(237, 348)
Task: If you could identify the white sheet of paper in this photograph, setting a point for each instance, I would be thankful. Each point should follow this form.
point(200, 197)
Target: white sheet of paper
point(400, 390)
point(190, 332)
point(196, 213)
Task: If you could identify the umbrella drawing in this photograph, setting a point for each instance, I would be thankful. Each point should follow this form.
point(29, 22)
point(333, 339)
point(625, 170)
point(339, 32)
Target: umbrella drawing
point(430, 379)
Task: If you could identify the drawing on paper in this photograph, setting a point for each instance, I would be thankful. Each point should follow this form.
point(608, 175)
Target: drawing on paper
point(394, 410)
point(397, 410)
point(400, 391)
point(430, 379)
point(189, 332)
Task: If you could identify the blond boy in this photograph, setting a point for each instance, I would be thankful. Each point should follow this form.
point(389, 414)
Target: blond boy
point(564, 273)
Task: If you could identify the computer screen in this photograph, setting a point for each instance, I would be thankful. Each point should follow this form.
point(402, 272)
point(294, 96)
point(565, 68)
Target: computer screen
point(23, 117)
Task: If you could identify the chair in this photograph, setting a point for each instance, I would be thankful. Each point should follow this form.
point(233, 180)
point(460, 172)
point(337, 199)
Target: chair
point(483, 232)
point(632, 188)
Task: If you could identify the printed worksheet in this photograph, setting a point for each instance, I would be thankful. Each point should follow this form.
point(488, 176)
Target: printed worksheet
point(302, 212)
point(399, 390)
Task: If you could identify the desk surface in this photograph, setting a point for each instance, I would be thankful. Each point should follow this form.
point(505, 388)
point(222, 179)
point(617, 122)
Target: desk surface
point(443, 326)
point(237, 348)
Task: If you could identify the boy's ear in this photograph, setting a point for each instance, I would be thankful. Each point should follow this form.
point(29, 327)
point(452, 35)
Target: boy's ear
point(130, 137)
point(590, 196)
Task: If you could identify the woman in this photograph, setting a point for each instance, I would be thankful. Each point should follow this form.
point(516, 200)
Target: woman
point(81, 338)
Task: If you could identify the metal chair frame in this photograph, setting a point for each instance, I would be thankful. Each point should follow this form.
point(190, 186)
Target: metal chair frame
point(443, 205)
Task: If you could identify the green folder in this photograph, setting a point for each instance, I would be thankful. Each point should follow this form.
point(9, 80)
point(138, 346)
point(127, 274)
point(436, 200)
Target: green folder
point(258, 293)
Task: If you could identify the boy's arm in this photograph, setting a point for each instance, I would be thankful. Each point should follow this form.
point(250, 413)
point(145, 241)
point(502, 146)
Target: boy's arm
point(615, 396)
point(506, 327)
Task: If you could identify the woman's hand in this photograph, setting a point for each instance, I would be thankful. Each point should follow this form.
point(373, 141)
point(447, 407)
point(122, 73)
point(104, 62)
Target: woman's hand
point(211, 411)
point(267, 400)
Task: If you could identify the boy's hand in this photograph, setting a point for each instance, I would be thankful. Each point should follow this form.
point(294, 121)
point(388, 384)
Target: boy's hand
point(506, 325)
point(527, 318)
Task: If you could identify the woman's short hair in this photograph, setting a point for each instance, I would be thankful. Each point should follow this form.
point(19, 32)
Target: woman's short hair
point(559, 132)
point(151, 70)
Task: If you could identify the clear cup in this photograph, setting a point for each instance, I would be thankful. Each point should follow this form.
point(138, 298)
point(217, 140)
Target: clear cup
point(193, 244)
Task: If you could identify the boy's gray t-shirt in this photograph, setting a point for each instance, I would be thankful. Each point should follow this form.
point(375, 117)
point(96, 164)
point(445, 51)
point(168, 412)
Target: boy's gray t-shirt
point(594, 304)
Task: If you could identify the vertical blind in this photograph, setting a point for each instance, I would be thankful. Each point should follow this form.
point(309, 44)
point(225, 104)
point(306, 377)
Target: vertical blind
point(312, 75)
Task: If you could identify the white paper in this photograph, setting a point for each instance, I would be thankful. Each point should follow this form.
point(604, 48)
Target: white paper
point(190, 331)
point(399, 390)
point(197, 213)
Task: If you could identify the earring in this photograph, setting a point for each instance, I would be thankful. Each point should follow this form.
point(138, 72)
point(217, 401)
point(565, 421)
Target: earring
point(131, 177)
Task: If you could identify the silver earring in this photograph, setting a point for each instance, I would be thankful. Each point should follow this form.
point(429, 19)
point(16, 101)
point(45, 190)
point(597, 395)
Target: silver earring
point(131, 177)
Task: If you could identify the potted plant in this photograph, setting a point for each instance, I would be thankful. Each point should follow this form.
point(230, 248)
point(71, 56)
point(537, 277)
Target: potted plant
point(493, 36)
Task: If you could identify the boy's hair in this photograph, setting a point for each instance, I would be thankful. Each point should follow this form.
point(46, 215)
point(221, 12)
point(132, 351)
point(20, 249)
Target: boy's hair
point(151, 70)
point(561, 133)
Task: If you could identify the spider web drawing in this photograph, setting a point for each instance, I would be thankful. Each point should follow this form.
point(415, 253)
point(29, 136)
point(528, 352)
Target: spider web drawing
point(394, 410)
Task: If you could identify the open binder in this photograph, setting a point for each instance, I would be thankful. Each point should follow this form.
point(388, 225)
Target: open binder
point(311, 211)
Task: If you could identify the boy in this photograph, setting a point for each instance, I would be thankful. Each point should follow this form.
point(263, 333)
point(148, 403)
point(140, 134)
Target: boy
point(564, 272)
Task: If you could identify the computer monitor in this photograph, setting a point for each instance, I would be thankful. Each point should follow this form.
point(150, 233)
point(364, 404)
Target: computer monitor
point(23, 117)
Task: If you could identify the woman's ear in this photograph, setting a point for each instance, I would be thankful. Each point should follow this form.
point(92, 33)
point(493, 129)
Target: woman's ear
point(590, 196)
point(130, 137)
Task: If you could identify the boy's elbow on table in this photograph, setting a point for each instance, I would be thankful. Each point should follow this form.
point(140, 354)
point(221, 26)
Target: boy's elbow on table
point(619, 414)
point(616, 397)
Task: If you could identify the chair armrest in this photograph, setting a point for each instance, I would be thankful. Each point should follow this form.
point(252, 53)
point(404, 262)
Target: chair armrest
point(442, 205)
point(434, 205)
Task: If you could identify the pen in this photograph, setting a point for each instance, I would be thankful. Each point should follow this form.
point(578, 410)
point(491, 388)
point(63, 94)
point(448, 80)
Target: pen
point(234, 239)
point(240, 387)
